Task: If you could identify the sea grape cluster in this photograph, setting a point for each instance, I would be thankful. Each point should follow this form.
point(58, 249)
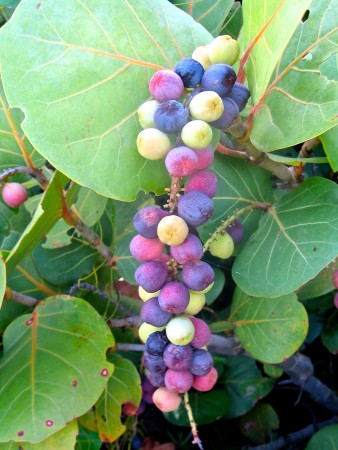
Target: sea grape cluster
point(187, 102)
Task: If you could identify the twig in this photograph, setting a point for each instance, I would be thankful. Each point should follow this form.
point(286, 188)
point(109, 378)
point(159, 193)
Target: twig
point(293, 438)
point(308, 146)
point(192, 422)
point(20, 298)
point(173, 193)
point(130, 347)
point(32, 172)
point(132, 321)
point(228, 151)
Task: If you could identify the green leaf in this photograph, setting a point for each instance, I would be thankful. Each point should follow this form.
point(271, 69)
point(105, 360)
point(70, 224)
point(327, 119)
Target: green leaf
point(261, 21)
point(260, 424)
point(123, 389)
point(220, 326)
point(14, 145)
point(329, 141)
point(301, 102)
point(296, 161)
point(64, 439)
point(325, 439)
point(244, 383)
point(206, 407)
point(272, 371)
point(319, 285)
point(296, 239)
point(2, 278)
point(239, 185)
point(7, 8)
point(209, 13)
point(270, 329)
point(330, 333)
point(88, 81)
point(88, 440)
point(13, 221)
point(53, 368)
point(45, 216)
point(234, 21)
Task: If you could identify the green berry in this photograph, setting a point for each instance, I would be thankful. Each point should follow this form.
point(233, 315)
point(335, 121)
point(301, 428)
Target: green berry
point(196, 134)
point(201, 54)
point(224, 50)
point(222, 246)
point(146, 113)
point(207, 106)
point(153, 144)
point(180, 330)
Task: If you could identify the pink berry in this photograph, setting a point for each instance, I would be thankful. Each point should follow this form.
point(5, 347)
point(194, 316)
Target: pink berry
point(144, 249)
point(202, 181)
point(190, 251)
point(181, 162)
point(205, 157)
point(14, 194)
point(202, 333)
point(179, 382)
point(205, 382)
point(166, 85)
point(165, 400)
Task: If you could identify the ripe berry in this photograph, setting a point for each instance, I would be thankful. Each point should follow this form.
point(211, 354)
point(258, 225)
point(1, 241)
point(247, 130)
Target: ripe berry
point(145, 330)
point(236, 231)
point(156, 343)
point(219, 78)
point(181, 162)
point(166, 85)
point(174, 297)
point(14, 194)
point(178, 357)
point(179, 382)
point(151, 275)
point(153, 144)
point(202, 362)
point(240, 95)
point(197, 276)
point(202, 333)
point(190, 71)
point(144, 249)
point(165, 400)
point(147, 219)
point(206, 382)
point(195, 208)
point(229, 114)
point(152, 313)
point(205, 157)
point(171, 116)
point(191, 250)
point(202, 181)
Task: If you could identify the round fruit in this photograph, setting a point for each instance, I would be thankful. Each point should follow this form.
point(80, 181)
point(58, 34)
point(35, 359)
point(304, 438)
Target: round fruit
point(14, 194)
point(201, 54)
point(222, 246)
point(146, 330)
point(180, 330)
point(153, 144)
point(171, 116)
point(190, 71)
point(224, 49)
point(219, 78)
point(195, 208)
point(207, 106)
point(207, 382)
point(196, 303)
point(166, 85)
point(172, 230)
point(165, 400)
point(146, 113)
point(196, 134)
point(181, 162)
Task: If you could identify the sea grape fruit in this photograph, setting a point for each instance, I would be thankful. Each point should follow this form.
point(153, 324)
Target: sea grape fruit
point(206, 382)
point(190, 71)
point(14, 194)
point(202, 362)
point(180, 330)
point(171, 116)
point(205, 157)
point(196, 303)
point(191, 250)
point(178, 357)
point(196, 134)
point(179, 382)
point(240, 95)
point(236, 231)
point(207, 106)
point(147, 219)
point(195, 208)
point(166, 85)
point(197, 276)
point(155, 378)
point(157, 342)
point(229, 114)
point(222, 246)
point(224, 49)
point(146, 113)
point(145, 330)
point(173, 297)
point(202, 181)
point(172, 230)
point(144, 249)
point(153, 144)
point(202, 333)
point(144, 295)
point(181, 162)
point(154, 363)
point(165, 400)
point(151, 275)
point(201, 54)
point(151, 312)
point(219, 78)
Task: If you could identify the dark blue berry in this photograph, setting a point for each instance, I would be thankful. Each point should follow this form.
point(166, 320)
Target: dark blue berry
point(240, 95)
point(170, 117)
point(219, 78)
point(190, 71)
point(157, 342)
point(195, 208)
point(229, 114)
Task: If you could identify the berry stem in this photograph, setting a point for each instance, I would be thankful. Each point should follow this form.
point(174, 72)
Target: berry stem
point(32, 172)
point(193, 425)
point(228, 151)
point(231, 219)
point(175, 188)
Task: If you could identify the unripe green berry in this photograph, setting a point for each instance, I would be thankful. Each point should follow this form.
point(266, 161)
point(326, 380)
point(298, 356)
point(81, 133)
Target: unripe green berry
point(222, 246)
point(224, 49)
point(153, 144)
point(146, 329)
point(172, 230)
point(201, 54)
point(196, 134)
point(146, 113)
point(180, 330)
point(207, 289)
point(196, 303)
point(207, 106)
point(144, 295)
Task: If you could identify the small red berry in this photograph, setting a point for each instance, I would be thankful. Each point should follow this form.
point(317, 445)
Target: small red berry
point(14, 194)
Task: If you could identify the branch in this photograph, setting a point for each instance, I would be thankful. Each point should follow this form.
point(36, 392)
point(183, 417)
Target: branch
point(192, 422)
point(32, 172)
point(20, 298)
point(228, 151)
point(296, 437)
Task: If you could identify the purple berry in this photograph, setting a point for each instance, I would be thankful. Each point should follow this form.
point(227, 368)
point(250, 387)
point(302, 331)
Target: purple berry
point(195, 208)
point(151, 275)
point(147, 219)
point(144, 249)
point(157, 342)
point(202, 181)
point(202, 333)
point(171, 116)
point(190, 251)
point(197, 276)
point(205, 157)
point(178, 357)
point(240, 95)
point(202, 362)
point(173, 297)
point(190, 71)
point(155, 378)
point(152, 313)
point(154, 363)
point(166, 85)
point(181, 162)
point(229, 114)
point(179, 382)
point(219, 78)
point(236, 231)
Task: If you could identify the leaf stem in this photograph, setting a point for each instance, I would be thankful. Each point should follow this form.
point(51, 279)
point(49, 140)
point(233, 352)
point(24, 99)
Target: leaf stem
point(230, 152)
point(20, 298)
point(192, 422)
point(32, 172)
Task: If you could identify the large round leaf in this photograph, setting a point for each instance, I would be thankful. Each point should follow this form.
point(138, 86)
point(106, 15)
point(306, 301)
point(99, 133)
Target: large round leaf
point(270, 329)
point(53, 368)
point(84, 70)
point(325, 439)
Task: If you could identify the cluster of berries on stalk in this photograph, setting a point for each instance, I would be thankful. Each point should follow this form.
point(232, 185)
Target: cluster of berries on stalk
point(200, 93)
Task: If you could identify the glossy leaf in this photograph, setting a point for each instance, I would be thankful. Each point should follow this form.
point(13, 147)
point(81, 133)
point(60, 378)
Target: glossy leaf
point(244, 383)
point(7, 8)
point(13, 222)
point(123, 390)
point(64, 439)
point(59, 369)
point(2, 278)
point(88, 80)
point(296, 161)
point(329, 141)
point(261, 20)
point(239, 186)
point(260, 424)
point(270, 329)
point(88, 440)
point(295, 240)
point(325, 439)
point(299, 90)
point(209, 13)
point(319, 285)
point(234, 21)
